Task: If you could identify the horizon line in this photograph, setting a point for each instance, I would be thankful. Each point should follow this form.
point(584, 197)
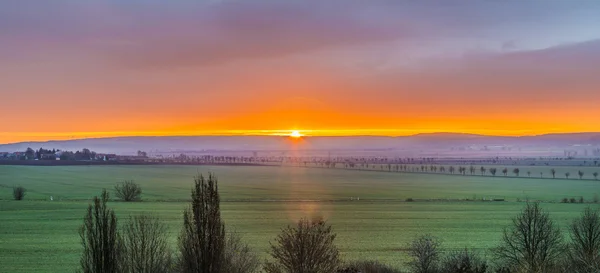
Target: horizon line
point(277, 133)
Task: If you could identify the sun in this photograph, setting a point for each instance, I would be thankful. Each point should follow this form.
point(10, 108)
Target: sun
point(295, 134)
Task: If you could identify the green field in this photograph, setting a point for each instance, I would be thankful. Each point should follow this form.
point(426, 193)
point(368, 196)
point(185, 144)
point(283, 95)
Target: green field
point(39, 235)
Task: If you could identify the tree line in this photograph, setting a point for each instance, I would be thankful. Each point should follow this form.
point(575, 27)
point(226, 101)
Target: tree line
point(532, 243)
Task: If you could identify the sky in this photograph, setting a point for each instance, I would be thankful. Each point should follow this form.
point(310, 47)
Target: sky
point(86, 68)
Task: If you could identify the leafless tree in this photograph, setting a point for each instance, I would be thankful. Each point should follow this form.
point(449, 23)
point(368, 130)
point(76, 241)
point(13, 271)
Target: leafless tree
point(307, 247)
point(584, 254)
point(202, 238)
point(482, 169)
point(464, 261)
point(425, 254)
point(532, 244)
point(239, 258)
point(128, 191)
point(102, 245)
point(146, 245)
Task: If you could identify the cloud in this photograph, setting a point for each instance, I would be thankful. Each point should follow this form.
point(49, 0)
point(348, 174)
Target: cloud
point(206, 33)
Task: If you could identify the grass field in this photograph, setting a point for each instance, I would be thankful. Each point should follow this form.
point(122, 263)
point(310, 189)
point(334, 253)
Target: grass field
point(39, 235)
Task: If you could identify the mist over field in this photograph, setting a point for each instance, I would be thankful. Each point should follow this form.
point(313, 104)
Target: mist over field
point(440, 144)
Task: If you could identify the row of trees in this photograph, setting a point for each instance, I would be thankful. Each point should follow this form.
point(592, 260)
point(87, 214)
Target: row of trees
point(472, 170)
point(533, 244)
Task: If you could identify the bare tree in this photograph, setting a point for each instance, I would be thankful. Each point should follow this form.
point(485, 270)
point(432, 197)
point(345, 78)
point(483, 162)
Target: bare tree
point(425, 254)
point(482, 169)
point(146, 245)
point(532, 244)
point(19, 193)
point(584, 254)
point(239, 258)
point(463, 261)
point(102, 245)
point(128, 191)
point(202, 238)
point(307, 247)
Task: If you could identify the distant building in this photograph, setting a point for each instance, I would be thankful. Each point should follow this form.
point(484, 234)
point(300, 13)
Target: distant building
point(106, 157)
point(49, 156)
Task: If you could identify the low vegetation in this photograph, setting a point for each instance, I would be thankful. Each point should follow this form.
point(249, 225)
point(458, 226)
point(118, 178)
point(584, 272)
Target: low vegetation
point(19, 193)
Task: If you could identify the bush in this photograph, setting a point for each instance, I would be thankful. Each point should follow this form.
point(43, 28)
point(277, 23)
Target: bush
point(146, 246)
point(565, 200)
point(128, 191)
point(19, 193)
point(425, 254)
point(409, 200)
point(202, 238)
point(306, 247)
point(102, 246)
point(584, 254)
point(573, 200)
point(532, 244)
point(367, 267)
point(239, 258)
point(463, 262)
point(581, 199)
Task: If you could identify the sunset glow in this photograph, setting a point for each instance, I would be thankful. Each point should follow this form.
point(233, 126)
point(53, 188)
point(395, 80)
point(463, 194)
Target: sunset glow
point(107, 69)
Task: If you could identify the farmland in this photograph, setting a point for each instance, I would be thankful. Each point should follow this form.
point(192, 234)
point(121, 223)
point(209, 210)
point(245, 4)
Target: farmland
point(39, 235)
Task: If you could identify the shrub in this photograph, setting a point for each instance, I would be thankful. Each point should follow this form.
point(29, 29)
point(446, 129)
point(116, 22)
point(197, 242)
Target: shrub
point(128, 191)
point(409, 200)
point(306, 247)
point(425, 254)
point(581, 199)
point(102, 246)
point(239, 258)
point(584, 254)
point(532, 244)
point(565, 200)
point(19, 193)
point(463, 262)
point(572, 200)
point(367, 267)
point(146, 246)
point(202, 238)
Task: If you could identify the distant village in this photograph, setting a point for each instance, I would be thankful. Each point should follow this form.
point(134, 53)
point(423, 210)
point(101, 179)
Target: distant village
point(83, 155)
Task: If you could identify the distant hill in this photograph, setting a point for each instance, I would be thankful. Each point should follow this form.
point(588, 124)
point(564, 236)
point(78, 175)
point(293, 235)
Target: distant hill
point(420, 142)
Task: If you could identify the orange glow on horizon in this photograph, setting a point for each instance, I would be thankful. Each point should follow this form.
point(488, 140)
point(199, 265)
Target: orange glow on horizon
point(294, 134)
